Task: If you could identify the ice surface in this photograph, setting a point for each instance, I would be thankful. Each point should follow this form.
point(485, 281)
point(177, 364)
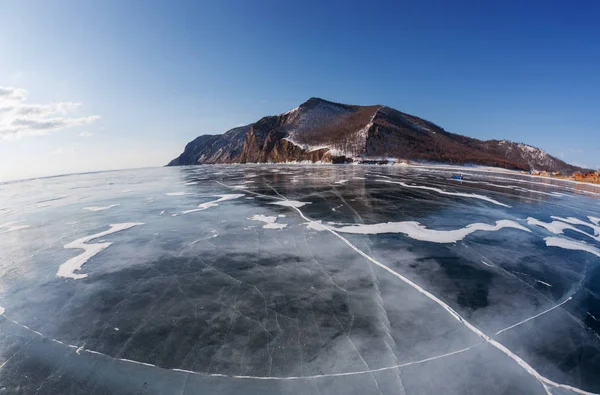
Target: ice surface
point(402, 281)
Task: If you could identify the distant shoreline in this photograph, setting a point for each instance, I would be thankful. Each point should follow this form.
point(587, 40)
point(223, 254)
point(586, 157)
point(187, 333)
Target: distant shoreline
point(441, 166)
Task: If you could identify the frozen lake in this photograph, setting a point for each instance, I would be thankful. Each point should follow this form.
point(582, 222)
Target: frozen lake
point(269, 279)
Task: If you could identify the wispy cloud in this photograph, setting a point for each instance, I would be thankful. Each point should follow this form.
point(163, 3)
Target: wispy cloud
point(19, 118)
point(86, 134)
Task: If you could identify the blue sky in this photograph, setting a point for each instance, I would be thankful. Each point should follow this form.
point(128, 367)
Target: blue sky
point(138, 79)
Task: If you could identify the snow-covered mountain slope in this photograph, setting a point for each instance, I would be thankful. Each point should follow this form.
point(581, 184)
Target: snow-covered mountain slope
point(320, 130)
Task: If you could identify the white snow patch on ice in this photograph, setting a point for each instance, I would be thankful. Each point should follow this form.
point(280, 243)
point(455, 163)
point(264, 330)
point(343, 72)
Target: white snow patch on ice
point(316, 225)
point(214, 203)
point(442, 192)
point(2, 310)
point(417, 231)
point(270, 222)
point(577, 221)
point(559, 225)
point(571, 245)
point(556, 227)
point(100, 208)
point(68, 268)
point(177, 193)
point(291, 203)
point(341, 182)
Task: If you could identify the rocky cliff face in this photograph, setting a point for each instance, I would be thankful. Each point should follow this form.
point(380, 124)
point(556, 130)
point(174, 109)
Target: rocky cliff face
point(319, 130)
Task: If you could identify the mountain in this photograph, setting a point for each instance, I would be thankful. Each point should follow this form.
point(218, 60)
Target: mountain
point(320, 130)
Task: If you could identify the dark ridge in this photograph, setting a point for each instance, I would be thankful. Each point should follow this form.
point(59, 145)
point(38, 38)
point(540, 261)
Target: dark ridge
point(323, 130)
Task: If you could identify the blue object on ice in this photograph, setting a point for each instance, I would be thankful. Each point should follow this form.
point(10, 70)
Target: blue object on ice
point(457, 177)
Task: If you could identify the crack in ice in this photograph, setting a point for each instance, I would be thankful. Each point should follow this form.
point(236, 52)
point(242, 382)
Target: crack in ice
point(547, 310)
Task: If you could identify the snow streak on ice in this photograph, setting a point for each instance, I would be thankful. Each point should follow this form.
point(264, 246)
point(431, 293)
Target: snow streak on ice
point(270, 221)
point(100, 208)
point(417, 231)
point(11, 227)
point(442, 192)
point(68, 268)
point(571, 245)
point(290, 203)
point(214, 203)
